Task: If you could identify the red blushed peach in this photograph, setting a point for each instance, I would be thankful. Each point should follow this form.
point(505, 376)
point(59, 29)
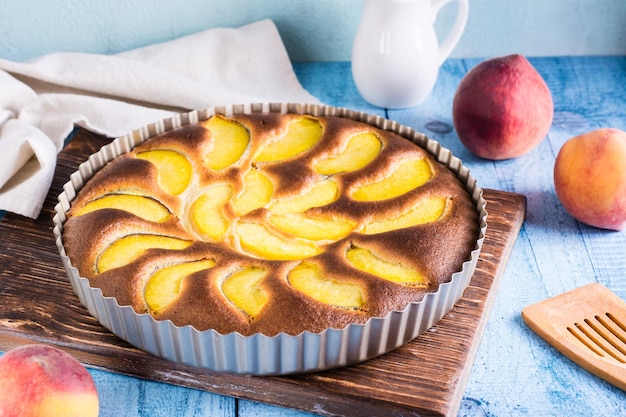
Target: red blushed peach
point(590, 178)
point(41, 380)
point(502, 108)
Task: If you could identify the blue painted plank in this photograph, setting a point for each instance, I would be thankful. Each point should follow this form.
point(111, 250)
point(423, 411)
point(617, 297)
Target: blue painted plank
point(256, 409)
point(332, 84)
point(122, 396)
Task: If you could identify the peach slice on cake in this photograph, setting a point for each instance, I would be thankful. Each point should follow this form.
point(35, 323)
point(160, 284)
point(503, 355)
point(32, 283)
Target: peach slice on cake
point(366, 261)
point(313, 227)
point(242, 289)
point(301, 135)
point(320, 194)
point(128, 248)
point(165, 284)
point(257, 192)
point(230, 141)
point(207, 215)
point(308, 279)
point(406, 176)
point(428, 210)
point(360, 150)
point(258, 240)
point(175, 170)
point(145, 207)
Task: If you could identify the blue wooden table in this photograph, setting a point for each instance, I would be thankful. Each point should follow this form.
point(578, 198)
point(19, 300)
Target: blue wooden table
point(515, 373)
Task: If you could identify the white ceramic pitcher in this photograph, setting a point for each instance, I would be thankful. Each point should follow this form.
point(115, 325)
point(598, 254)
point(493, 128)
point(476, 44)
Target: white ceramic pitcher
point(396, 55)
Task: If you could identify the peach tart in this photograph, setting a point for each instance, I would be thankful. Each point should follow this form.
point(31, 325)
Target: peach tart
point(272, 223)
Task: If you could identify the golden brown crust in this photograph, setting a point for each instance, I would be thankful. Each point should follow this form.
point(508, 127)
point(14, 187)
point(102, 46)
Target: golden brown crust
point(436, 249)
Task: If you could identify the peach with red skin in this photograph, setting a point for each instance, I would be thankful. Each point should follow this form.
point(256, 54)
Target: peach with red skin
point(502, 108)
point(590, 178)
point(40, 380)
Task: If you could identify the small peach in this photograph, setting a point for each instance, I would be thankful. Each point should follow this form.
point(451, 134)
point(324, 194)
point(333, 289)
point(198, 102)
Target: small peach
point(40, 380)
point(590, 178)
point(502, 108)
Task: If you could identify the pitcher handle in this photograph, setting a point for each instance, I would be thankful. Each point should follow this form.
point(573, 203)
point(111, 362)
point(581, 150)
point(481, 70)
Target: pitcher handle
point(446, 47)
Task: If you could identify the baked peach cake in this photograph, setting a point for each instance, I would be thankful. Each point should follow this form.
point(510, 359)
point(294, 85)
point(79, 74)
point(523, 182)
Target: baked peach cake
point(271, 223)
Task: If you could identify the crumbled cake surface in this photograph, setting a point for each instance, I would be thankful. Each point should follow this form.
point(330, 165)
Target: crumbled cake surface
point(271, 223)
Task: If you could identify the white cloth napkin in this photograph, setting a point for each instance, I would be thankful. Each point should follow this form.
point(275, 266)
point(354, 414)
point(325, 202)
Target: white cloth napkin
point(43, 99)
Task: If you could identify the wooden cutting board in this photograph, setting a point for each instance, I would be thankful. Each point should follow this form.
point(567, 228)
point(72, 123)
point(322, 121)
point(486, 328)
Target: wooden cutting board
point(425, 377)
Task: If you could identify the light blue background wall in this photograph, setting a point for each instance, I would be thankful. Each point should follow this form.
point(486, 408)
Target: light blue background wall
point(312, 30)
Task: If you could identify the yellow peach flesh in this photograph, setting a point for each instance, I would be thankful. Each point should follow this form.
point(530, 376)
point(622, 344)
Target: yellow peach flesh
point(145, 207)
point(313, 228)
point(307, 278)
point(230, 141)
point(258, 189)
point(257, 240)
point(407, 175)
point(243, 290)
point(175, 170)
point(364, 260)
point(320, 194)
point(301, 135)
point(360, 150)
point(206, 214)
point(128, 248)
point(427, 211)
point(164, 285)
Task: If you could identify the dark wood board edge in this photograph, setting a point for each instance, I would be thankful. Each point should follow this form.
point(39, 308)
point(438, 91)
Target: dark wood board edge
point(341, 389)
point(516, 212)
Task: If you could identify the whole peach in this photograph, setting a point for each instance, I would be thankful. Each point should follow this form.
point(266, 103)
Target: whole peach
point(40, 380)
point(590, 178)
point(502, 108)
